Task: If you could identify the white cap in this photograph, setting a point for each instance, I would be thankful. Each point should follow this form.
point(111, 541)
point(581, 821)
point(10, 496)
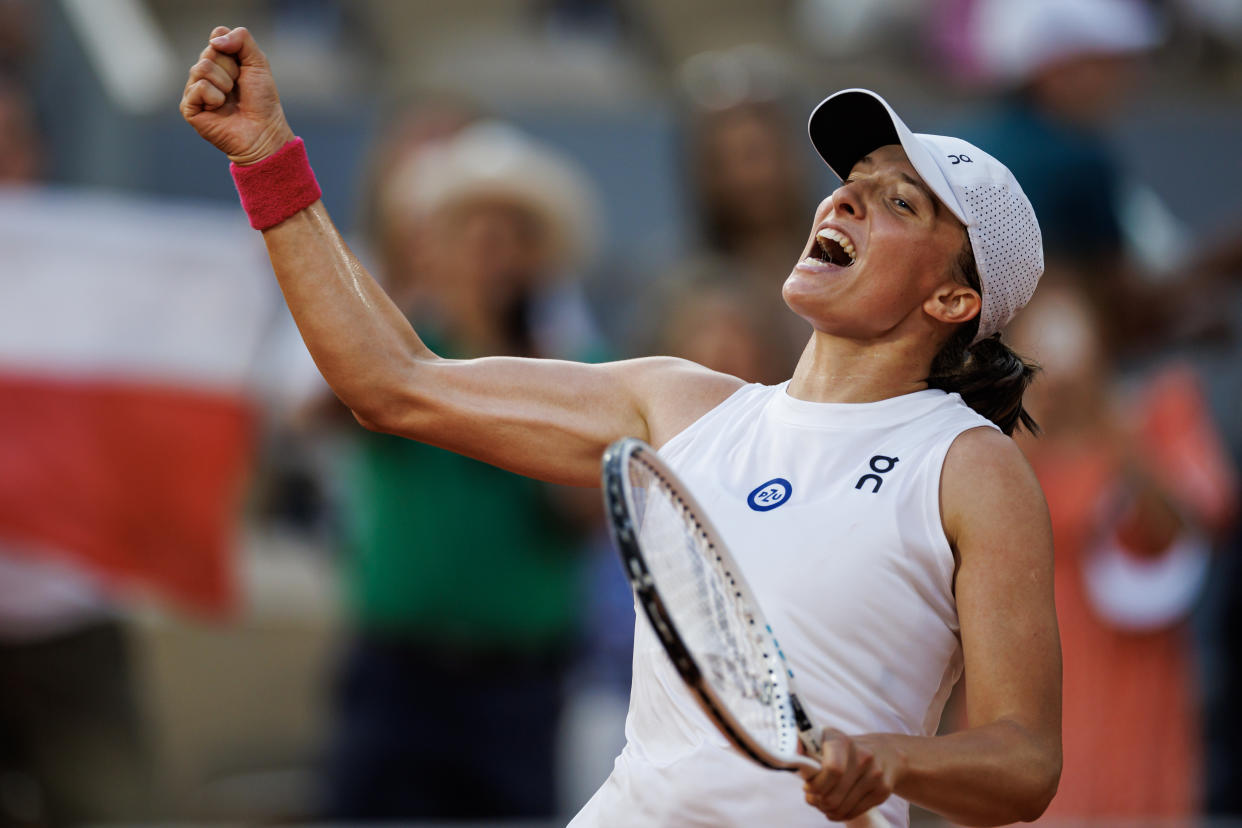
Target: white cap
point(490, 159)
point(978, 189)
point(1015, 39)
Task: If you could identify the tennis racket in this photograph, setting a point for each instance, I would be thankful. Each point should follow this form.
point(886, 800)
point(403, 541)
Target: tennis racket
point(705, 614)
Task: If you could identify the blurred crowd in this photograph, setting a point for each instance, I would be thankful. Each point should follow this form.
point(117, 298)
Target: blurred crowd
point(223, 599)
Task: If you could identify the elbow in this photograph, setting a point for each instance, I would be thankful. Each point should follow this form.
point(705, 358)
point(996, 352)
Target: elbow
point(388, 398)
point(1033, 808)
point(379, 411)
point(398, 412)
point(367, 420)
point(384, 418)
point(1045, 778)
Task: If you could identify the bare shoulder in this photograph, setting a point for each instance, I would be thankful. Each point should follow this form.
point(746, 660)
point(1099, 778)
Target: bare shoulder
point(673, 392)
point(989, 492)
point(983, 460)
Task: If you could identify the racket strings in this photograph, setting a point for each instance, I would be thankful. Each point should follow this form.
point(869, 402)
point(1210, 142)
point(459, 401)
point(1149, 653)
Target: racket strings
point(712, 614)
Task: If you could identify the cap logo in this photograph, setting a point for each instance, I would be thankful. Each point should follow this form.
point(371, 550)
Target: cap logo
point(960, 159)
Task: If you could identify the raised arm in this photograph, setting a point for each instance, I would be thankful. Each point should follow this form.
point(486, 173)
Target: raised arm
point(544, 418)
point(1005, 766)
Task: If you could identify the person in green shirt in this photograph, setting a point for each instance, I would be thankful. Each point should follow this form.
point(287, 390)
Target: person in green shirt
point(462, 578)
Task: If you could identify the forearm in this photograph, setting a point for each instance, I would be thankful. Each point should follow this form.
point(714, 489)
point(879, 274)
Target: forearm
point(362, 343)
point(548, 419)
point(544, 418)
point(993, 774)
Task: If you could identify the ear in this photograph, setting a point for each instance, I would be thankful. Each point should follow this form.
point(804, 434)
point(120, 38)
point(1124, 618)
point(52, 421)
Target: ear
point(953, 303)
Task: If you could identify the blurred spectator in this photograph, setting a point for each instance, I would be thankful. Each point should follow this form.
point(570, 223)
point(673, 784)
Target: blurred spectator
point(713, 320)
point(749, 187)
point(387, 215)
point(1066, 66)
point(1138, 485)
point(750, 194)
point(462, 577)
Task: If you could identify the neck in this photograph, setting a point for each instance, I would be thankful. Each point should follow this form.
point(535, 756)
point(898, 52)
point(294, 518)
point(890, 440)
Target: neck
point(838, 370)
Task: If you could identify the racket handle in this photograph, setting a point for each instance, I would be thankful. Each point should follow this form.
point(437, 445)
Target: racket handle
point(801, 761)
point(871, 819)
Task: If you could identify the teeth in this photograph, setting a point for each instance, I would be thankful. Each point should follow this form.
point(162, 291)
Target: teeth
point(839, 238)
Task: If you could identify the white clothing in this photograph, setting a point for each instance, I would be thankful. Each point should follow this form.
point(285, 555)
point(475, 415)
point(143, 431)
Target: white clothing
point(833, 513)
point(42, 597)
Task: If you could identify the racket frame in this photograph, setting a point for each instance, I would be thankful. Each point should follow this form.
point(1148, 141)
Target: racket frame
point(616, 487)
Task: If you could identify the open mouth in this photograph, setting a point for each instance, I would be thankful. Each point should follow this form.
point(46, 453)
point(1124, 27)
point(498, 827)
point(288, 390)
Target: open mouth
point(833, 247)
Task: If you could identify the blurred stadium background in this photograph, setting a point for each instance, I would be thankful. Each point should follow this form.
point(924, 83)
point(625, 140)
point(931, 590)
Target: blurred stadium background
point(174, 487)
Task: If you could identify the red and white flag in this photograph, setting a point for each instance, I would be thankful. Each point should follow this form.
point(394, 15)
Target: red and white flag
point(131, 341)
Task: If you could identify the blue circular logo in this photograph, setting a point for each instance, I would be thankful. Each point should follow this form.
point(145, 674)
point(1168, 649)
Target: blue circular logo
point(770, 495)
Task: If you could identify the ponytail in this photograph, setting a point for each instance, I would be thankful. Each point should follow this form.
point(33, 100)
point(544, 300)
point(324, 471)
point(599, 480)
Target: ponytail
point(988, 375)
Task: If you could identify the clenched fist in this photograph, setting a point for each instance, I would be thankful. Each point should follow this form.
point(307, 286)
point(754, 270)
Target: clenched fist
point(230, 98)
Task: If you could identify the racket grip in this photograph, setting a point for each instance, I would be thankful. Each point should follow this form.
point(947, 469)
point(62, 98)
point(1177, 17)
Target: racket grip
point(871, 819)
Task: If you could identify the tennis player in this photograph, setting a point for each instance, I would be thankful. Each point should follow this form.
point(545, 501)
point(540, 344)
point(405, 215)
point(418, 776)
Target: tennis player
point(890, 528)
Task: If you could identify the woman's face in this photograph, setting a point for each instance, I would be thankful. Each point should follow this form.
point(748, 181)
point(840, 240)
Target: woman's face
point(748, 173)
point(880, 246)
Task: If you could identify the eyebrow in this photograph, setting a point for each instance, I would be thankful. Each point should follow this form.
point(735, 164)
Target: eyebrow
point(909, 179)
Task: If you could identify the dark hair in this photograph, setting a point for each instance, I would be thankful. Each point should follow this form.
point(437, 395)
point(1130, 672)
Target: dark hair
point(989, 376)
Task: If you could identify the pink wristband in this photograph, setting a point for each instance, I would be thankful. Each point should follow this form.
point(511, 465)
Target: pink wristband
point(275, 188)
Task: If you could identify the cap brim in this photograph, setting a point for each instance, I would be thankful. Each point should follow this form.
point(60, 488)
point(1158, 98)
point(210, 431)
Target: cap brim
point(850, 124)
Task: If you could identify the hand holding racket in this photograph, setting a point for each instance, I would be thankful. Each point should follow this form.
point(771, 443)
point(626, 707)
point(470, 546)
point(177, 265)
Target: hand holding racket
point(705, 614)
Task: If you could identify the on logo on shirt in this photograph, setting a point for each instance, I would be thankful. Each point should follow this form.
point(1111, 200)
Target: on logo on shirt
point(880, 464)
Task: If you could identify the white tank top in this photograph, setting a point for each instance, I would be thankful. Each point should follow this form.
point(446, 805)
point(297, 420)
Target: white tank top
point(833, 512)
